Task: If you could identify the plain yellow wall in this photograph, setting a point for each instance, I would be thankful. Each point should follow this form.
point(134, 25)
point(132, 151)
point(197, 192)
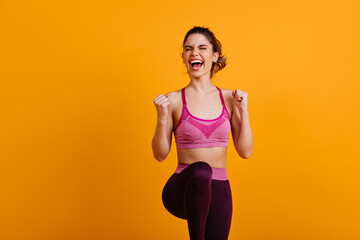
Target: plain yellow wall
point(77, 83)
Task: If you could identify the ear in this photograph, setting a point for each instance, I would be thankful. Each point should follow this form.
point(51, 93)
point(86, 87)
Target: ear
point(183, 57)
point(215, 57)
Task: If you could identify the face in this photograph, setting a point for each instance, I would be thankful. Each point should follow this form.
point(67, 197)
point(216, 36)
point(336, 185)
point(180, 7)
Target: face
point(198, 47)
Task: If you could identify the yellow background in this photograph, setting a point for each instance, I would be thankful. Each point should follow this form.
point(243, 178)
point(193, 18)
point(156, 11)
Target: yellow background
point(78, 79)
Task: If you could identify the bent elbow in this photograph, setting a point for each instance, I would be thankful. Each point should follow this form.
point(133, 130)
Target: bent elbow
point(246, 156)
point(159, 158)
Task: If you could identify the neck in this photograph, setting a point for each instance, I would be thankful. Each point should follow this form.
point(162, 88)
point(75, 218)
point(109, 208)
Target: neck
point(201, 85)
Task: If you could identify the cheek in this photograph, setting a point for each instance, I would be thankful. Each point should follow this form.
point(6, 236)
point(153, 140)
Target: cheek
point(209, 62)
point(185, 58)
point(208, 58)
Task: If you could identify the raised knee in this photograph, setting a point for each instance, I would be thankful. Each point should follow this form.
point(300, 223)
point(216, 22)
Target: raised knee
point(201, 170)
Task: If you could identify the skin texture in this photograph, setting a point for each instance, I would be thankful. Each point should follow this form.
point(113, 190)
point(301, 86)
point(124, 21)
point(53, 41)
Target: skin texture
point(203, 101)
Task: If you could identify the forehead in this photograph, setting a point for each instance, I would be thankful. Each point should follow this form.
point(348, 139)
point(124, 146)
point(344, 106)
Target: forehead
point(197, 39)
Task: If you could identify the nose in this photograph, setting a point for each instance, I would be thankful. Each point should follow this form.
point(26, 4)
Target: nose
point(194, 53)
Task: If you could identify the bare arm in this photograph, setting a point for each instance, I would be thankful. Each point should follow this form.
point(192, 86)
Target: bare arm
point(240, 127)
point(161, 142)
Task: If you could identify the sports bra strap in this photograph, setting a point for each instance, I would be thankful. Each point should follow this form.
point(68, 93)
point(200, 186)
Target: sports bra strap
point(183, 95)
point(184, 100)
point(221, 96)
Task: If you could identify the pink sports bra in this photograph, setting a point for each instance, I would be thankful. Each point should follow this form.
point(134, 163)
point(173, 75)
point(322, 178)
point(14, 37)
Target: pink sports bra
point(194, 132)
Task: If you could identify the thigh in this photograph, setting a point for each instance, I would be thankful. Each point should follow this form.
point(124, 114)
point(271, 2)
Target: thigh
point(174, 189)
point(173, 195)
point(220, 213)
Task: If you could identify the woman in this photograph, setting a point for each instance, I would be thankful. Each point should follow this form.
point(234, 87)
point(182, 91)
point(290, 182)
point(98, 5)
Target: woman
point(199, 189)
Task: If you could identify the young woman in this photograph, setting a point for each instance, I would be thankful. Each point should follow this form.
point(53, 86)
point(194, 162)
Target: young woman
point(201, 116)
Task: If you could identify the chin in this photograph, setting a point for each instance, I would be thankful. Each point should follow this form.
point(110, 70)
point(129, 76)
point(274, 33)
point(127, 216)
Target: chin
point(198, 73)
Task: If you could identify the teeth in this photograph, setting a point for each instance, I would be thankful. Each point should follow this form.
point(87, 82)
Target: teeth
point(196, 61)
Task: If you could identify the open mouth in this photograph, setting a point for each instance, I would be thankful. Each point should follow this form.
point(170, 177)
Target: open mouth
point(196, 64)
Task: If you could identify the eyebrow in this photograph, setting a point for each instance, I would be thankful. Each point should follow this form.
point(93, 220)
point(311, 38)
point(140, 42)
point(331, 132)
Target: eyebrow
point(199, 45)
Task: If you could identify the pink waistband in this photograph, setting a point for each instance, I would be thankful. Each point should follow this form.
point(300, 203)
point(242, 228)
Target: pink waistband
point(217, 173)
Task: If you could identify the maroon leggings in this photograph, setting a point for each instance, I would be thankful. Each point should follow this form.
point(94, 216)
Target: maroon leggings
point(206, 203)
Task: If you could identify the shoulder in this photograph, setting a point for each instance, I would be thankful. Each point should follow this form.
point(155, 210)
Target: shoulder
point(174, 97)
point(227, 93)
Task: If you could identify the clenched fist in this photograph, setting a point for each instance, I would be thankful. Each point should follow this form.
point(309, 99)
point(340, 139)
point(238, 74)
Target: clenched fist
point(241, 98)
point(162, 106)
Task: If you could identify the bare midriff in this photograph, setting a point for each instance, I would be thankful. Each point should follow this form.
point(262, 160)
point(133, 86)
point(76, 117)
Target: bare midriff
point(214, 156)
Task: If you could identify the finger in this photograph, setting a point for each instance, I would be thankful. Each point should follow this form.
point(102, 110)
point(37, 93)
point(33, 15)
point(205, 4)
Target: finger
point(241, 95)
point(160, 97)
point(163, 100)
point(237, 97)
point(157, 97)
point(234, 94)
point(164, 105)
point(239, 92)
